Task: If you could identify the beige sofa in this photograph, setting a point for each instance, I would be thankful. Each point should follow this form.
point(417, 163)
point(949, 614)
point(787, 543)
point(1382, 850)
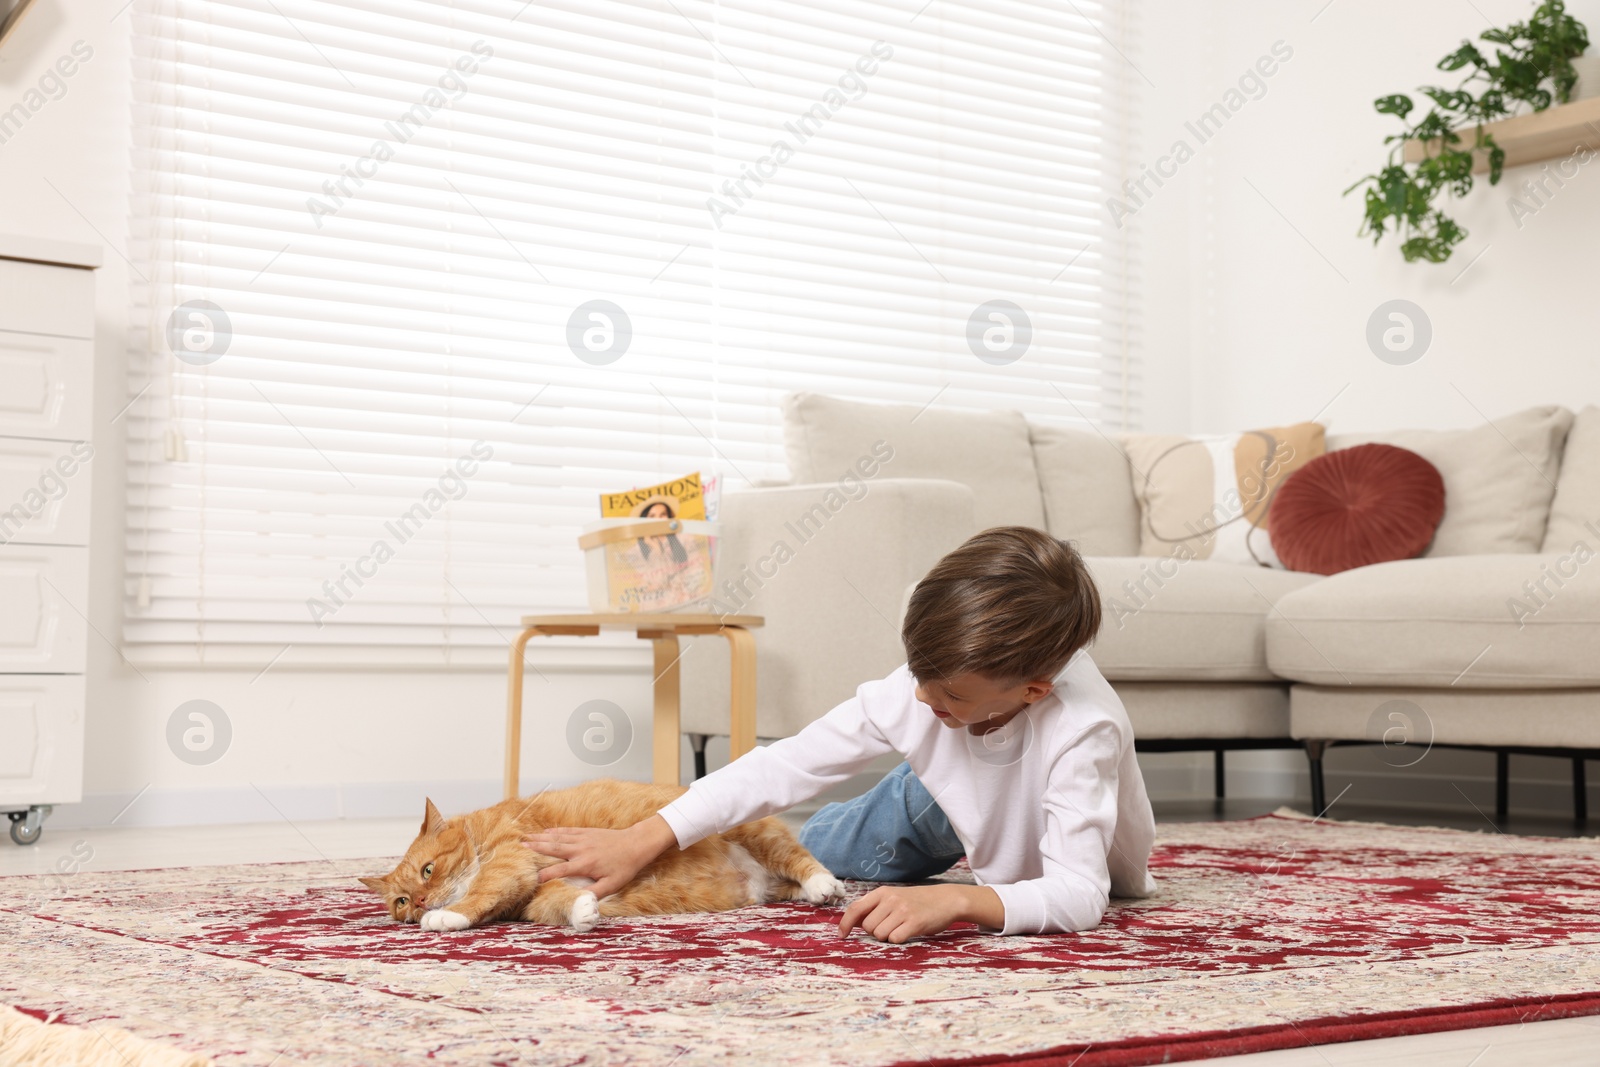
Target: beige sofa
point(1206, 655)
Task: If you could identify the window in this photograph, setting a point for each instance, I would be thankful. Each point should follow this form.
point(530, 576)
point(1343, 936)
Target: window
point(419, 279)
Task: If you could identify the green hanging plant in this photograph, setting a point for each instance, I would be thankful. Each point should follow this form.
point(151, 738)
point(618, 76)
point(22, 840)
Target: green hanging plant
point(1401, 196)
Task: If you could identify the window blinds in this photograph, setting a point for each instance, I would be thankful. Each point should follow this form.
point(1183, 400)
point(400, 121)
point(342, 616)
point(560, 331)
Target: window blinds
point(417, 279)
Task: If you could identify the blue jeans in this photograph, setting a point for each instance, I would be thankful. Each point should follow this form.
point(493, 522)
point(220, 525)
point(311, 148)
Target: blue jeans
point(892, 833)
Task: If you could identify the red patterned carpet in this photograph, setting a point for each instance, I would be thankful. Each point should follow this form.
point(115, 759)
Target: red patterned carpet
point(1269, 933)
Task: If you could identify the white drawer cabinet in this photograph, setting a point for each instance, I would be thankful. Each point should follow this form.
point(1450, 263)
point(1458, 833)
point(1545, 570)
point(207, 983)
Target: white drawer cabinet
point(46, 448)
point(44, 588)
point(42, 719)
point(46, 298)
point(44, 491)
point(47, 391)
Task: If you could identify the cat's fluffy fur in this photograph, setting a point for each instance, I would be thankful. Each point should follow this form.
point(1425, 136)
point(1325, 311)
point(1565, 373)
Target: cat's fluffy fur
point(473, 869)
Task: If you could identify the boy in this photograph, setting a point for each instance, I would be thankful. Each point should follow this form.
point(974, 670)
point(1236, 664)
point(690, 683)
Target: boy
point(1019, 756)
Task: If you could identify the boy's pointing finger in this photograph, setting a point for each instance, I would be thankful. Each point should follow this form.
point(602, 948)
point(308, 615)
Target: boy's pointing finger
point(854, 914)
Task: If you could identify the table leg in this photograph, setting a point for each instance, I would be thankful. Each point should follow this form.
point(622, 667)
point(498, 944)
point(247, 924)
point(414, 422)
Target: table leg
point(742, 654)
point(513, 782)
point(665, 752)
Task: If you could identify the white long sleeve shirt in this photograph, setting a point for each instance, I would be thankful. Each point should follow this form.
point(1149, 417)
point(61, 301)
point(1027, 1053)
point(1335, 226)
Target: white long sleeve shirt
point(1051, 807)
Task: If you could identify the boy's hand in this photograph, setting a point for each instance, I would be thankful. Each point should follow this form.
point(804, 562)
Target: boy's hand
point(610, 857)
point(897, 913)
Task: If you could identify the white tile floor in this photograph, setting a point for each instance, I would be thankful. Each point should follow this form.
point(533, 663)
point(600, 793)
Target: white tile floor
point(1556, 1043)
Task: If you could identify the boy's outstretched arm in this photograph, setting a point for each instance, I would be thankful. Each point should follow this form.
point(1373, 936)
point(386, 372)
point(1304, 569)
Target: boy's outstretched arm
point(761, 782)
point(610, 857)
point(773, 778)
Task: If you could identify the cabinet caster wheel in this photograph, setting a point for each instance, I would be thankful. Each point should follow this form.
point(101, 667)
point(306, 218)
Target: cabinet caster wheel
point(26, 826)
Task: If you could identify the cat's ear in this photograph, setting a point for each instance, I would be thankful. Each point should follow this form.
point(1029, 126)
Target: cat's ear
point(377, 885)
point(432, 821)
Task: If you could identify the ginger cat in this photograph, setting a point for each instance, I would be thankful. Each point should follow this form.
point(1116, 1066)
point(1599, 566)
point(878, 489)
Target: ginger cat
point(473, 869)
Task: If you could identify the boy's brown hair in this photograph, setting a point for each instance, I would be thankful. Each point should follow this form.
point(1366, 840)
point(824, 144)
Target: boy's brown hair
point(1012, 604)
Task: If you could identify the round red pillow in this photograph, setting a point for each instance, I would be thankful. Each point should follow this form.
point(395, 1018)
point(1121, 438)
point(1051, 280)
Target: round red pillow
point(1355, 507)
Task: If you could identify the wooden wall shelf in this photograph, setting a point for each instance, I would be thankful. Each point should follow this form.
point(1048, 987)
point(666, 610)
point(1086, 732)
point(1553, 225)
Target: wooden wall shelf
point(1549, 134)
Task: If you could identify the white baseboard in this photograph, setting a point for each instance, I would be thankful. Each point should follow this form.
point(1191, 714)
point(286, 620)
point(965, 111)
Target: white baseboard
point(272, 803)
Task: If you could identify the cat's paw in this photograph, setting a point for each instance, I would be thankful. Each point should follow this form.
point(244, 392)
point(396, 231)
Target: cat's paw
point(585, 914)
point(443, 919)
point(820, 887)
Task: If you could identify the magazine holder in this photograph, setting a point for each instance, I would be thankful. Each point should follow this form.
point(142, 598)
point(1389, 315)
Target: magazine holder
point(612, 588)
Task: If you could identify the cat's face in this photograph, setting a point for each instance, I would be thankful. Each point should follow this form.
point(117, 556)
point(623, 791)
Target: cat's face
point(434, 873)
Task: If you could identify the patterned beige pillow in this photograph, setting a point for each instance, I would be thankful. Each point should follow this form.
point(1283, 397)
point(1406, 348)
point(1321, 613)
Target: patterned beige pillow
point(1207, 497)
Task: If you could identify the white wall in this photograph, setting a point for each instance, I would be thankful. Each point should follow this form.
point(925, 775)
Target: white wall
point(1172, 44)
point(1276, 305)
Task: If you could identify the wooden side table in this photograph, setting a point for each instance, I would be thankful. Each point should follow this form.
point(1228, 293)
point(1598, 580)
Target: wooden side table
point(662, 631)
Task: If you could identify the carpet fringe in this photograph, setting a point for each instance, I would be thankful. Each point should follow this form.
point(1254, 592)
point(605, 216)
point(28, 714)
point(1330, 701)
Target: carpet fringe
point(27, 1042)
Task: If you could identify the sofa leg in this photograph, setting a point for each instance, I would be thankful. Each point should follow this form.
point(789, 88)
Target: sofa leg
point(1502, 785)
point(1314, 751)
point(1220, 772)
point(1580, 790)
point(697, 742)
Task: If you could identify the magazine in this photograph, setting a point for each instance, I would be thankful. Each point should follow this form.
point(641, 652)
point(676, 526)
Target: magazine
point(665, 571)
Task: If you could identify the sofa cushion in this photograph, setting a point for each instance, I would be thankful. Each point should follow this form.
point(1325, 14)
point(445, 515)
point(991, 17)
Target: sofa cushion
point(1575, 511)
point(989, 452)
point(1498, 478)
point(1209, 497)
point(1172, 619)
point(1356, 507)
point(1160, 711)
point(1088, 490)
point(1534, 718)
point(1475, 622)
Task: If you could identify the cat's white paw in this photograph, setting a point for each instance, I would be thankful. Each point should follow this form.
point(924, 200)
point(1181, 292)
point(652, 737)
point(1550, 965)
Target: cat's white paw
point(442, 919)
point(585, 914)
point(820, 887)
